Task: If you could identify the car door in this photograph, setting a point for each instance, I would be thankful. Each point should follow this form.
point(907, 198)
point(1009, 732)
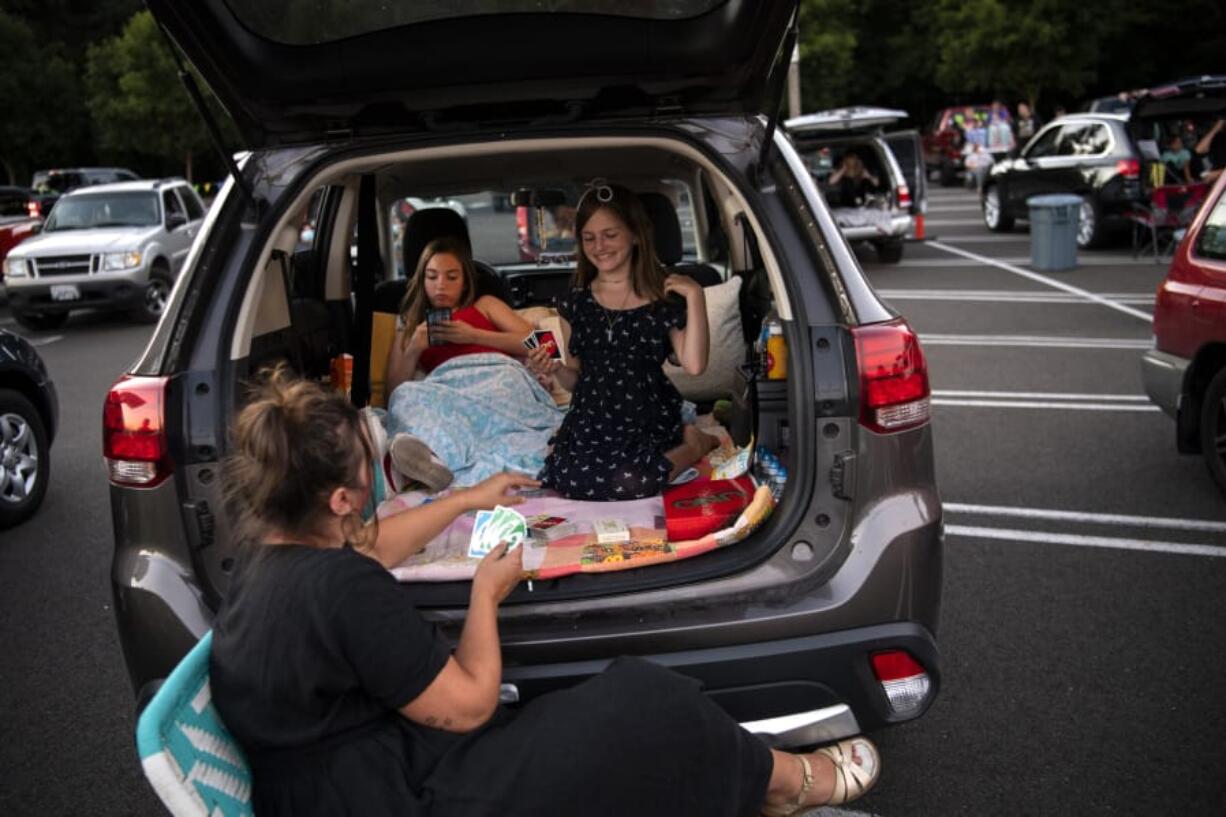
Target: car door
point(908, 150)
point(1026, 176)
point(1208, 254)
point(179, 232)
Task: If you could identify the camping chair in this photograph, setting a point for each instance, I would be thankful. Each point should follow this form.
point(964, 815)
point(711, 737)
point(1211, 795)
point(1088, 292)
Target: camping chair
point(190, 759)
point(1167, 217)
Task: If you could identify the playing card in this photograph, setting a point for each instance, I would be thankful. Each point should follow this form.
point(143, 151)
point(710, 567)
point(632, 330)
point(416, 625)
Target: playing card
point(545, 337)
point(496, 526)
point(531, 342)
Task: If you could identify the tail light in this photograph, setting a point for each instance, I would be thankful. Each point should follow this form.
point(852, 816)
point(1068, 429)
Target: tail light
point(134, 431)
point(34, 208)
point(894, 391)
point(904, 681)
point(904, 197)
point(1128, 168)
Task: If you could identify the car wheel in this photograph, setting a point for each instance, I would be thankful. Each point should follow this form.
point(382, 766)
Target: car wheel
point(889, 252)
point(993, 213)
point(41, 322)
point(1213, 428)
point(157, 293)
point(1089, 225)
point(25, 458)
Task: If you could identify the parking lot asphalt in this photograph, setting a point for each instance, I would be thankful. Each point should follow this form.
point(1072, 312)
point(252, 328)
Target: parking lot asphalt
point(1080, 630)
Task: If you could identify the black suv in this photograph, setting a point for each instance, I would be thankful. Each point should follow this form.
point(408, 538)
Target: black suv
point(29, 414)
point(1091, 155)
point(823, 621)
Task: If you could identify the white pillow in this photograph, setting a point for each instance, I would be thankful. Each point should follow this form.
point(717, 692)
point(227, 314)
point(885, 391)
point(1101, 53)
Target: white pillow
point(727, 346)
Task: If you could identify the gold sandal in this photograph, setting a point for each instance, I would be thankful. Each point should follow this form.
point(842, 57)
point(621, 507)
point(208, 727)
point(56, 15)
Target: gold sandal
point(853, 776)
point(851, 779)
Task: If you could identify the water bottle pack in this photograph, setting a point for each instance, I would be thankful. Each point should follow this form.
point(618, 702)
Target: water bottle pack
point(770, 471)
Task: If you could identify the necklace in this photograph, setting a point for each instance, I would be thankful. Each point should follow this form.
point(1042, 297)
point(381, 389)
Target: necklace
point(608, 313)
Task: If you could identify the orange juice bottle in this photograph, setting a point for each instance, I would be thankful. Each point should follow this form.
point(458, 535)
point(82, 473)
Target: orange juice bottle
point(776, 353)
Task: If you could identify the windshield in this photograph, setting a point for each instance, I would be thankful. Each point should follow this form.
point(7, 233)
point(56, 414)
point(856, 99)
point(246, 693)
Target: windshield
point(304, 22)
point(135, 209)
point(56, 182)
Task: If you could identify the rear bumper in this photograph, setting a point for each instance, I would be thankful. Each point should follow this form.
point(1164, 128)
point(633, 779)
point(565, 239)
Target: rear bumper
point(899, 226)
point(1163, 375)
point(823, 685)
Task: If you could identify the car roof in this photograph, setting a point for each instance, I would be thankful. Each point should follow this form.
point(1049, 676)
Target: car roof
point(409, 69)
point(140, 186)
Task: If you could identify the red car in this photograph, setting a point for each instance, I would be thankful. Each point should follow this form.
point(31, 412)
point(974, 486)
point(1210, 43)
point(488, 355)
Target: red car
point(19, 219)
point(1185, 372)
point(944, 140)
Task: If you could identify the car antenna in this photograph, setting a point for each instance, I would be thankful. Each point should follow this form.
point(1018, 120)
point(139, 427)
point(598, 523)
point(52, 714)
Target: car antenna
point(193, 91)
point(775, 85)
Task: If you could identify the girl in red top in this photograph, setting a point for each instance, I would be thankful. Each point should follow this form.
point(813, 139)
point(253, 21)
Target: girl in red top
point(446, 279)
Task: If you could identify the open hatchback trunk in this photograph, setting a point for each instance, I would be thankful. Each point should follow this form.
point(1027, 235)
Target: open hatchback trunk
point(287, 72)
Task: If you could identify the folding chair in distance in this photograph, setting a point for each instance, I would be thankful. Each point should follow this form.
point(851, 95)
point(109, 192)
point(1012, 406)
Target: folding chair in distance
point(189, 757)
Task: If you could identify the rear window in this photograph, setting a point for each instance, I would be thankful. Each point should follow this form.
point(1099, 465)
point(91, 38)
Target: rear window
point(57, 182)
point(1212, 240)
point(295, 22)
point(13, 203)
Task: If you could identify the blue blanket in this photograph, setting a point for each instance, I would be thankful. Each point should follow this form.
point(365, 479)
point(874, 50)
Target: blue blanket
point(480, 414)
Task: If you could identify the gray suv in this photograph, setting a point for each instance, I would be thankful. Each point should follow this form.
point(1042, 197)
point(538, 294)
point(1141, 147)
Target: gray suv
point(820, 624)
point(111, 246)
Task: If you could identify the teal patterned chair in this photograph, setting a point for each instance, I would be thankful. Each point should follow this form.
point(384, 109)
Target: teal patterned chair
point(191, 760)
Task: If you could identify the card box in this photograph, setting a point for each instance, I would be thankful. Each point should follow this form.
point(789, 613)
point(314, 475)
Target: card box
point(693, 510)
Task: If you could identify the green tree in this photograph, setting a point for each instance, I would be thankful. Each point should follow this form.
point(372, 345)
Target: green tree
point(827, 40)
point(41, 111)
point(138, 104)
point(1020, 48)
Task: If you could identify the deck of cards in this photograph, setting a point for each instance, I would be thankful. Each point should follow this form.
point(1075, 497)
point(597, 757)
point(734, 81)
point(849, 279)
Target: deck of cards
point(610, 531)
point(491, 528)
point(544, 528)
point(546, 338)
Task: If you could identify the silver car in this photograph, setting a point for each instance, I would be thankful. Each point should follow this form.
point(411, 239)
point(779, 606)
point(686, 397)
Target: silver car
point(113, 246)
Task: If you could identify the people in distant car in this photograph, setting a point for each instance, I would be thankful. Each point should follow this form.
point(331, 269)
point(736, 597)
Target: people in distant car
point(1213, 145)
point(623, 437)
point(1177, 160)
point(346, 701)
point(851, 182)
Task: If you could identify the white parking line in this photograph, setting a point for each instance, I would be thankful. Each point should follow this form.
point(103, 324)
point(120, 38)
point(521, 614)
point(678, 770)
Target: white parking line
point(1038, 395)
point(1168, 522)
point(1043, 279)
point(1005, 296)
point(934, 223)
point(953, 208)
point(1034, 341)
point(1043, 400)
point(1077, 540)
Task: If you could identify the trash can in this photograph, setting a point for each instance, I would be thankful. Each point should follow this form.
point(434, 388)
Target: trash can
point(1053, 231)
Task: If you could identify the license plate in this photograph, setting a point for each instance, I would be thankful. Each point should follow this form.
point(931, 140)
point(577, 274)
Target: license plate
point(65, 292)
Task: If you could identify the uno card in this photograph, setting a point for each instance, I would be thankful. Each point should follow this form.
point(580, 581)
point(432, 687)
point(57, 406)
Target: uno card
point(531, 342)
point(545, 338)
point(496, 526)
point(433, 318)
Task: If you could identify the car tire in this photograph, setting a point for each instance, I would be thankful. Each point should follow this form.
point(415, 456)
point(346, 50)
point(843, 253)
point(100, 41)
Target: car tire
point(41, 322)
point(25, 458)
point(1213, 428)
point(994, 215)
point(157, 293)
point(889, 252)
point(1089, 225)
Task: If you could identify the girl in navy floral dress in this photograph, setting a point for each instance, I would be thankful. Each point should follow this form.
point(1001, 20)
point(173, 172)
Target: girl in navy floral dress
point(623, 437)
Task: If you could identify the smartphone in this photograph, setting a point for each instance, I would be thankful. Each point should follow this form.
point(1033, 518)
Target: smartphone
point(433, 318)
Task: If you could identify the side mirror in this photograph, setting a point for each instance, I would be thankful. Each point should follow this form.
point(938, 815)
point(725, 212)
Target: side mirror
point(175, 220)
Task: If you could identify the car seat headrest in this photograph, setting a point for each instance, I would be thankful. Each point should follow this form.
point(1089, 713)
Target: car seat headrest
point(667, 227)
point(426, 225)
